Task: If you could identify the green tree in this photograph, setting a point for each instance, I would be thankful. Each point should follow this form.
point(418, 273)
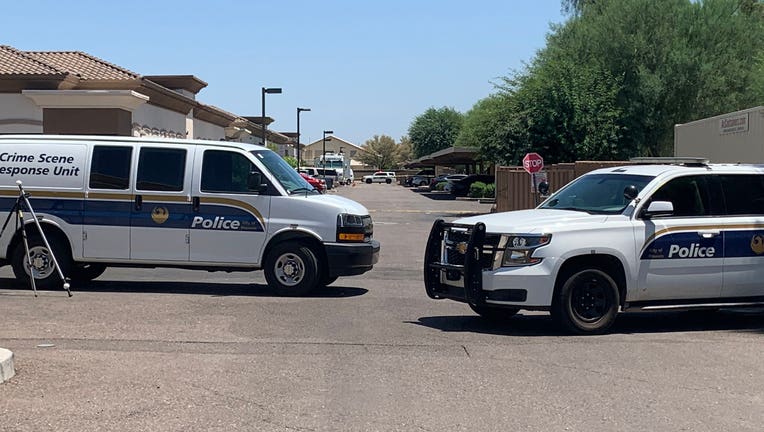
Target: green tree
point(292, 161)
point(380, 152)
point(435, 130)
point(405, 150)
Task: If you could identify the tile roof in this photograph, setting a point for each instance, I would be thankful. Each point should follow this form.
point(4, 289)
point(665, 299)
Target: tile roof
point(85, 66)
point(15, 62)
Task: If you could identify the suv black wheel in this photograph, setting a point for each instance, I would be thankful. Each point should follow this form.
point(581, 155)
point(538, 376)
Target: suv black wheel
point(368, 181)
point(291, 269)
point(388, 181)
point(587, 302)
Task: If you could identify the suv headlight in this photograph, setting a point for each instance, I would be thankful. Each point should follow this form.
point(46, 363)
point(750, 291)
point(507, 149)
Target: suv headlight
point(519, 248)
point(354, 228)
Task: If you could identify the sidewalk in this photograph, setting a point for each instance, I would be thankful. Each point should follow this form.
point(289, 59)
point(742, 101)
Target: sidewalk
point(6, 365)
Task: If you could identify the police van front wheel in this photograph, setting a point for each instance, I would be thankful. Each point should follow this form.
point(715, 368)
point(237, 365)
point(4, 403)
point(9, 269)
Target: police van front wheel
point(587, 302)
point(291, 269)
point(39, 264)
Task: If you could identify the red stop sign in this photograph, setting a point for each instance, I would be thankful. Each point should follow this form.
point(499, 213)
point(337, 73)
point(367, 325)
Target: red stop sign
point(533, 163)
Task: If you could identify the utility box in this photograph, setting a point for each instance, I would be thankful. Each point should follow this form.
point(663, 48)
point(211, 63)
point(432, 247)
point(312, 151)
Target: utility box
point(726, 138)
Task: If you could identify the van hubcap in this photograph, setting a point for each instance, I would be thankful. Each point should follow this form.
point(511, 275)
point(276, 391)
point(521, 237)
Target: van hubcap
point(39, 263)
point(290, 269)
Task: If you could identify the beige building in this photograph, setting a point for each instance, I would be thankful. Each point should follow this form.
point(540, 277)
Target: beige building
point(733, 137)
point(71, 92)
point(311, 152)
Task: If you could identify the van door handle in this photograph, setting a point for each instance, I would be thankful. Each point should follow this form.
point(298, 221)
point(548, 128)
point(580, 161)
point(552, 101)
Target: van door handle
point(709, 234)
point(138, 202)
point(195, 201)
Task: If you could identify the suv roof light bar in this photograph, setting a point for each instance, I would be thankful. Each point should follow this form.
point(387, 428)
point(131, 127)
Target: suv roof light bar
point(670, 160)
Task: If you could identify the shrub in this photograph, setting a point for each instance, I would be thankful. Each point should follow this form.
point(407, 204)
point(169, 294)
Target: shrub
point(477, 190)
point(490, 190)
point(440, 186)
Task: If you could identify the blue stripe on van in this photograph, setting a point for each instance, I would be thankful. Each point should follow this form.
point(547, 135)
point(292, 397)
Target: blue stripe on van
point(152, 215)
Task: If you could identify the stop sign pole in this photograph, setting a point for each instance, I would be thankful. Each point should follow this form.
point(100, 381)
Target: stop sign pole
point(533, 163)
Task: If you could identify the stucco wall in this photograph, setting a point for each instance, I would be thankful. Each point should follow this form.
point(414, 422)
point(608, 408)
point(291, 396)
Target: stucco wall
point(150, 120)
point(209, 131)
point(18, 114)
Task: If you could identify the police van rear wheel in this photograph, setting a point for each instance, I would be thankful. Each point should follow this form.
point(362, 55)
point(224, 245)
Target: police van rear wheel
point(40, 263)
point(291, 269)
point(587, 302)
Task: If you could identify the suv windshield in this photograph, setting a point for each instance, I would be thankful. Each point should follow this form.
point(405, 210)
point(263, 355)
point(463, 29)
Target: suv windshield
point(290, 179)
point(596, 193)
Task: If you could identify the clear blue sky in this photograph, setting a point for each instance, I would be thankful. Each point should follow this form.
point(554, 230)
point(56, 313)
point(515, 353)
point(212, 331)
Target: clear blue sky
point(365, 68)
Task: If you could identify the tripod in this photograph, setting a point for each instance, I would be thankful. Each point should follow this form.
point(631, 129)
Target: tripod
point(18, 209)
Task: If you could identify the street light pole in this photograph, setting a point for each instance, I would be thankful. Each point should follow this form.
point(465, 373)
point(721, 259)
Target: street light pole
point(323, 157)
point(299, 110)
point(264, 91)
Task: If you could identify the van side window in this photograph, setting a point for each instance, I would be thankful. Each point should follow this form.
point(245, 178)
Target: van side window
point(743, 194)
point(161, 169)
point(110, 167)
point(225, 171)
point(689, 195)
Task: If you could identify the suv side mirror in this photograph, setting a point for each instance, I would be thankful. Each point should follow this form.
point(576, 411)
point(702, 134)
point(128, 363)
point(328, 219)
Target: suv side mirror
point(255, 182)
point(630, 192)
point(658, 208)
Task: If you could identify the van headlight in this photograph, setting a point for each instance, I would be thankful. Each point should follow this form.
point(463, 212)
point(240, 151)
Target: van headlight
point(519, 248)
point(354, 228)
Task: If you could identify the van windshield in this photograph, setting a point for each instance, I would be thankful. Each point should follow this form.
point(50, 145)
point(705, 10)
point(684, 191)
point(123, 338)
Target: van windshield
point(289, 178)
point(596, 193)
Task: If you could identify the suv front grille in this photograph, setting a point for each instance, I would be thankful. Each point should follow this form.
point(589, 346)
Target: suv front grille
point(455, 246)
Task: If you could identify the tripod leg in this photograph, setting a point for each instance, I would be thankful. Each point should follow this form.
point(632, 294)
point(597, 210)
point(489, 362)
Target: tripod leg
point(28, 259)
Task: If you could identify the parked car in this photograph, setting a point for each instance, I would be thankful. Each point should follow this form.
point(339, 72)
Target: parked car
point(421, 178)
point(318, 184)
point(461, 187)
point(380, 177)
point(445, 178)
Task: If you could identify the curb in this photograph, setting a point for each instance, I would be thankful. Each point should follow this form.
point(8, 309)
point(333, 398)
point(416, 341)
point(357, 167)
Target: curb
point(6, 365)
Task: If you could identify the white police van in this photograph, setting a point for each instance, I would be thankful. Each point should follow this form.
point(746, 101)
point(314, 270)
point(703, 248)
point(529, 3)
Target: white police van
point(121, 201)
point(682, 234)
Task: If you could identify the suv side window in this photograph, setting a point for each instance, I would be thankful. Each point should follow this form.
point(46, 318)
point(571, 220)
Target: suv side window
point(689, 195)
point(110, 167)
point(743, 193)
point(225, 171)
point(161, 169)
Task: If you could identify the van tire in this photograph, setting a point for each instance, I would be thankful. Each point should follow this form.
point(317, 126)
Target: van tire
point(48, 278)
point(587, 302)
point(86, 272)
point(291, 269)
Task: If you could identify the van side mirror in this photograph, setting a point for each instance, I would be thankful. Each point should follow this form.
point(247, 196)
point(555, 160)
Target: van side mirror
point(658, 208)
point(543, 188)
point(255, 182)
point(630, 192)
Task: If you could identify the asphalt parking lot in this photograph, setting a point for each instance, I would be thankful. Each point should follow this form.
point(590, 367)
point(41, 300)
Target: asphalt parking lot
point(174, 350)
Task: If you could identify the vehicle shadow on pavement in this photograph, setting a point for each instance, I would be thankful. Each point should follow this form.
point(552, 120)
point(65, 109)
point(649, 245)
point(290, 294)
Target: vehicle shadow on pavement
point(198, 288)
point(743, 320)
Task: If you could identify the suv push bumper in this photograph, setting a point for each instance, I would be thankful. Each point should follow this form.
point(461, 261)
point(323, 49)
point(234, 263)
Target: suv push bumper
point(350, 259)
point(471, 272)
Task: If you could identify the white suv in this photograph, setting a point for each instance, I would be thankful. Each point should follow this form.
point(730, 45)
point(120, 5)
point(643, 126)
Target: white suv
point(636, 237)
point(380, 177)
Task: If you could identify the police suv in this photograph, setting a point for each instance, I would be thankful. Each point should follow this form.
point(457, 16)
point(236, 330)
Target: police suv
point(120, 201)
point(679, 234)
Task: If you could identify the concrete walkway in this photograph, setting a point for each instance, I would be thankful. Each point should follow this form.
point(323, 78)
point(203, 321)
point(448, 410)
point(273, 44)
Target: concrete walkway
point(6, 365)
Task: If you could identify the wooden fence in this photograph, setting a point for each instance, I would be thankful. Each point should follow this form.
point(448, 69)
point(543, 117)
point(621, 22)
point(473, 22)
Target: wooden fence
point(514, 189)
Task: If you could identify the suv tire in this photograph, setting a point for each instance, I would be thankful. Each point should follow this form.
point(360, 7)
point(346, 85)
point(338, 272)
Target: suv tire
point(587, 302)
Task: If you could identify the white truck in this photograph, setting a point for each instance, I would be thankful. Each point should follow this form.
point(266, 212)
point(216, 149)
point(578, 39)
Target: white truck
point(676, 235)
point(214, 206)
point(339, 163)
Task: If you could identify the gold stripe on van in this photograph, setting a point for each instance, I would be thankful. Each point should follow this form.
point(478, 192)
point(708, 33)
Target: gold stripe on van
point(44, 194)
point(234, 203)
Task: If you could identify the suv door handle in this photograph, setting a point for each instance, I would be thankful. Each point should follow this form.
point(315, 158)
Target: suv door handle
point(709, 234)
